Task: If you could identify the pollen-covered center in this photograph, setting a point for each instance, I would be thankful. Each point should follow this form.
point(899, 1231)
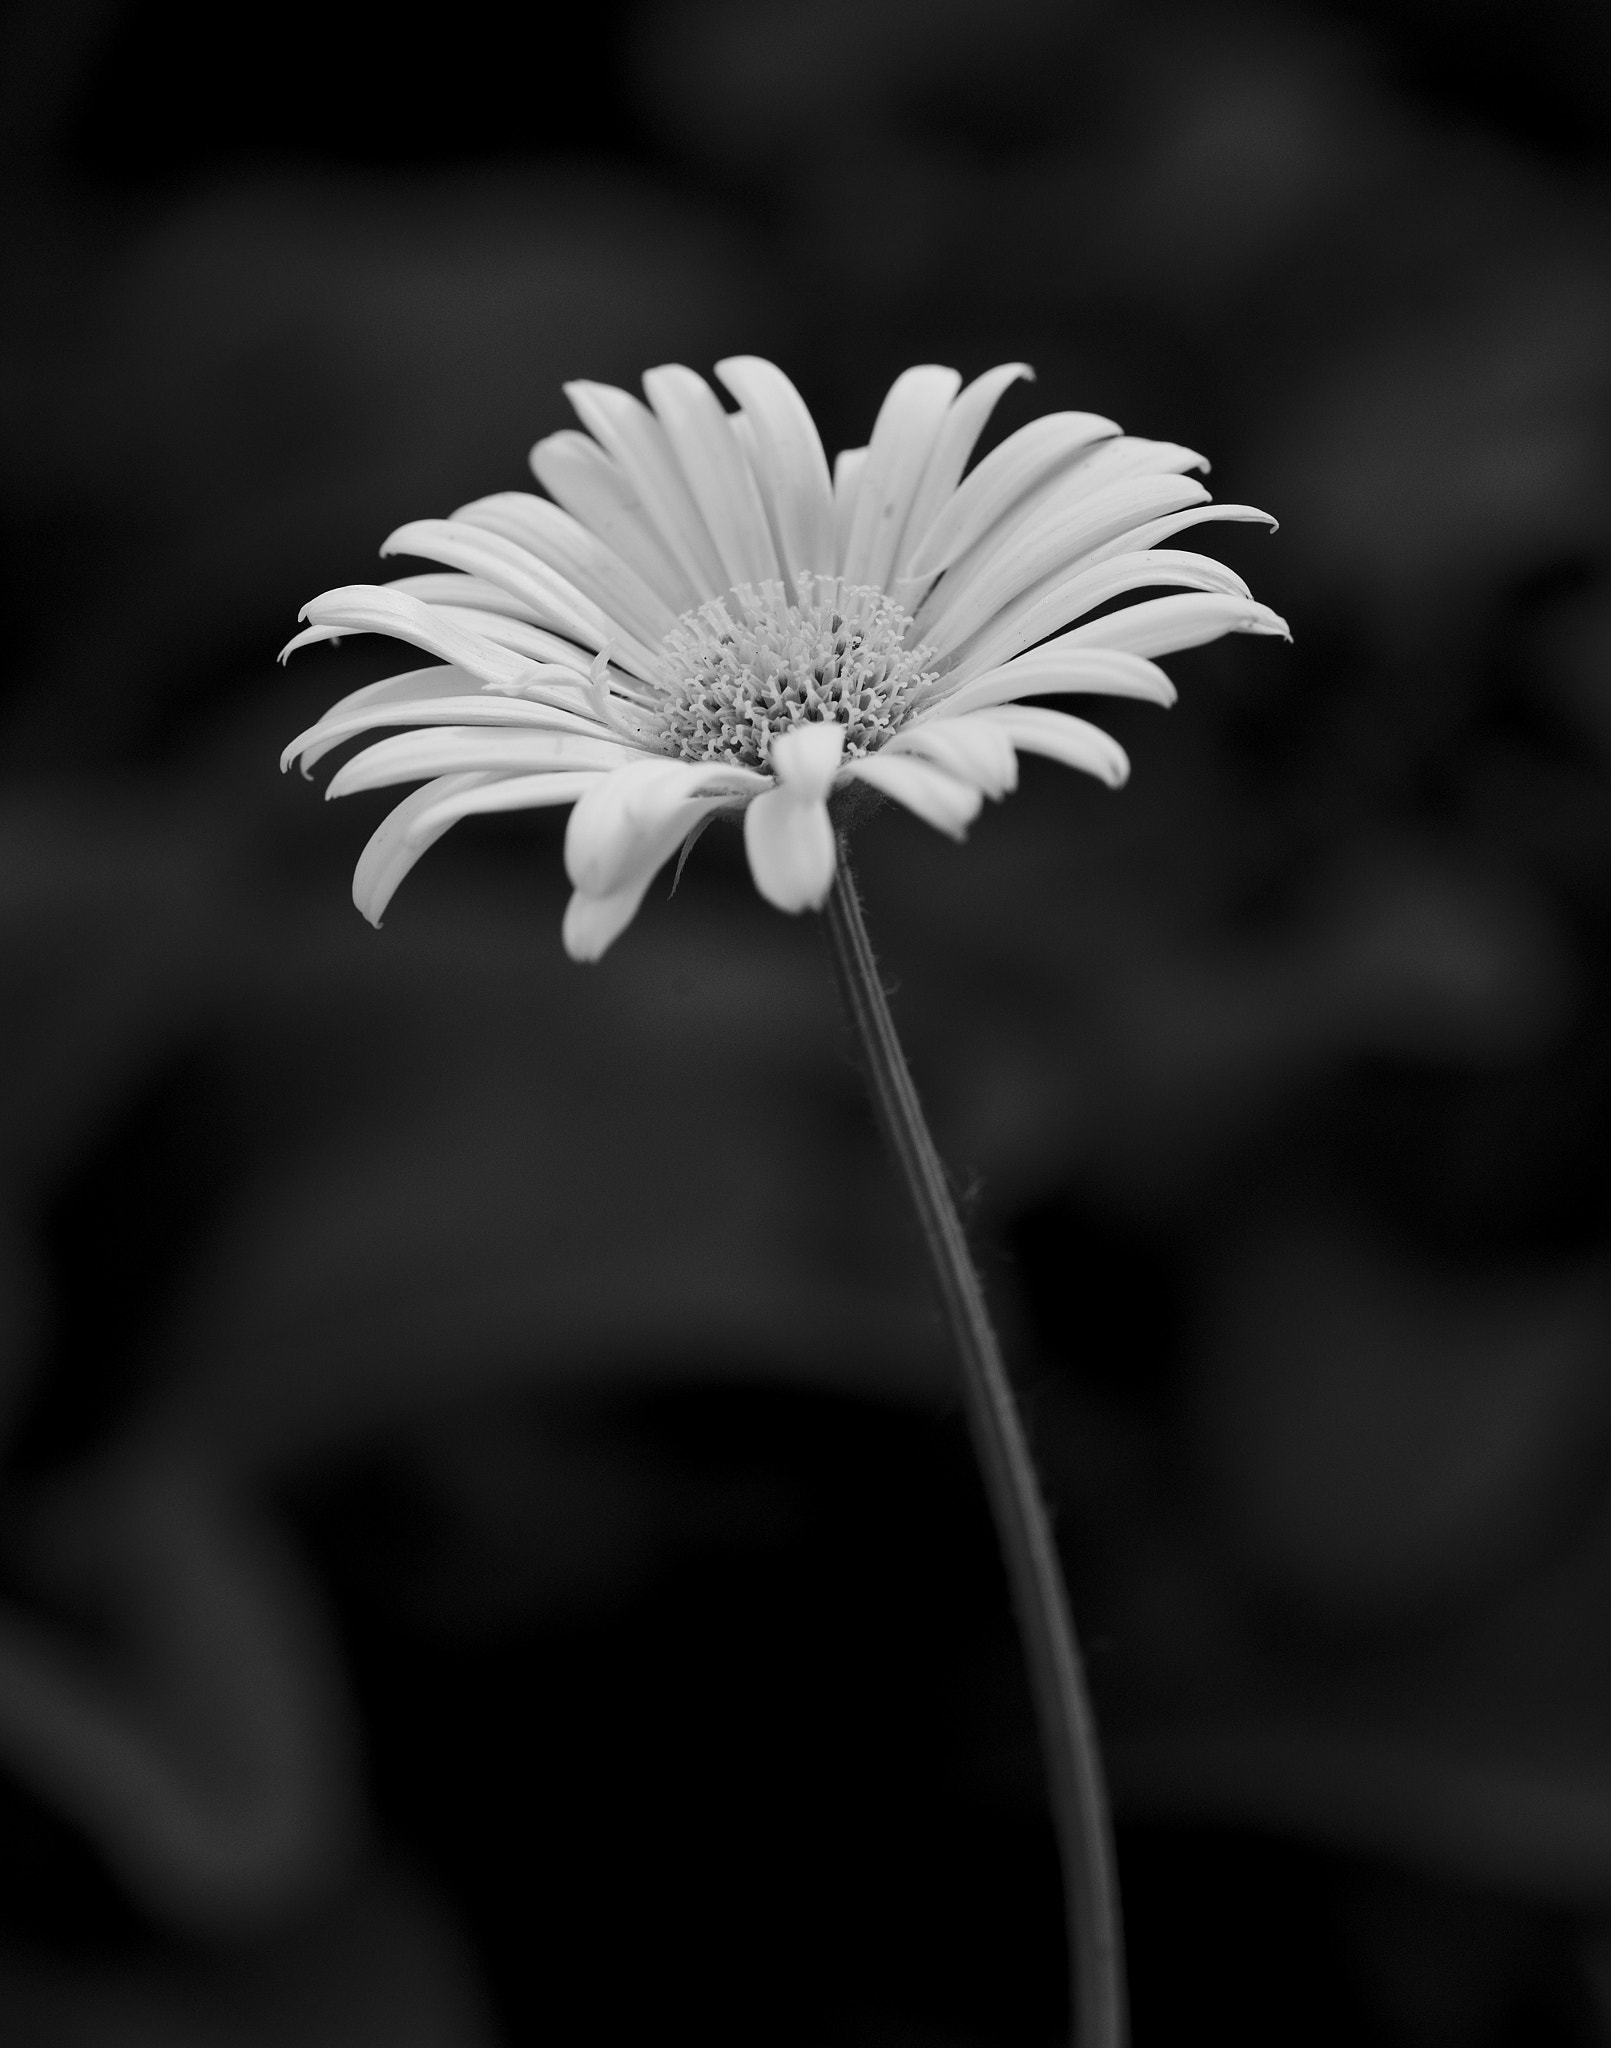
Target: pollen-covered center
point(744, 668)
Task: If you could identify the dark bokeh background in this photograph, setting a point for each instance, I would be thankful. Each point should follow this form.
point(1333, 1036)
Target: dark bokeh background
point(487, 1551)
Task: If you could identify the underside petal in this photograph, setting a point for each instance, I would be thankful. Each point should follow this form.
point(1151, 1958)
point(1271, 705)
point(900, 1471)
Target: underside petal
point(594, 920)
point(790, 845)
point(1056, 670)
point(519, 715)
point(465, 749)
point(391, 851)
point(1165, 625)
point(372, 608)
point(1073, 741)
point(609, 832)
point(806, 758)
point(936, 796)
point(968, 748)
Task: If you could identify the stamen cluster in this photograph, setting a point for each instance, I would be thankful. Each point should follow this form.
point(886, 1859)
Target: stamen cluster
point(744, 668)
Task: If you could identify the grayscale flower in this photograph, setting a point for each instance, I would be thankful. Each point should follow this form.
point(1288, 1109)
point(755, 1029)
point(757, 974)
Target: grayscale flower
point(698, 618)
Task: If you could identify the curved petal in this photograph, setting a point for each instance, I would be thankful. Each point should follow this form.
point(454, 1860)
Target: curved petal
point(903, 438)
point(518, 715)
point(581, 557)
point(391, 852)
point(787, 835)
point(849, 466)
point(1006, 475)
point(553, 598)
point(790, 845)
point(959, 432)
point(1061, 738)
point(464, 593)
point(635, 439)
point(595, 920)
point(536, 643)
point(577, 474)
point(1046, 607)
point(715, 471)
point(936, 796)
point(462, 749)
point(1056, 670)
point(371, 608)
point(1165, 625)
point(790, 456)
point(612, 827)
point(959, 608)
point(967, 748)
point(806, 759)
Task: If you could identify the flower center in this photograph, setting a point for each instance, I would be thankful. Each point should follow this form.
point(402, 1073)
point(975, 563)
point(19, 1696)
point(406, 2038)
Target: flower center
point(744, 668)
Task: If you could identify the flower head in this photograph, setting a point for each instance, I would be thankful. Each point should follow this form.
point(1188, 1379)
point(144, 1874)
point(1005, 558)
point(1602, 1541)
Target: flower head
point(698, 618)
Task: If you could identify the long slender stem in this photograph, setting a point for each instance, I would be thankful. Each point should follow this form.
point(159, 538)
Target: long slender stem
point(1067, 1729)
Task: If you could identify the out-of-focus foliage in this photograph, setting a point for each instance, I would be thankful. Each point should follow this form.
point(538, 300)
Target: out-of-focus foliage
point(483, 1543)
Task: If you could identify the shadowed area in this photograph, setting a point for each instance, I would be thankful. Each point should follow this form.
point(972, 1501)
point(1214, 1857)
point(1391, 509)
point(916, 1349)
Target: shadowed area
point(488, 1551)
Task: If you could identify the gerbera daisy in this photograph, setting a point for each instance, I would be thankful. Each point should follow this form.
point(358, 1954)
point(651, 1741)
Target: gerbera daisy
point(698, 618)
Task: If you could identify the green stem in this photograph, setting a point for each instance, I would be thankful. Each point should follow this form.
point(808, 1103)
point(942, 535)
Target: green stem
point(1067, 1729)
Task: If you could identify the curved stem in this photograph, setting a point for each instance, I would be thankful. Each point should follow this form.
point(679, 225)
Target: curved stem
point(1067, 1730)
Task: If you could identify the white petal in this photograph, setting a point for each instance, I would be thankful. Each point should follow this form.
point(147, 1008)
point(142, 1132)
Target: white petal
point(553, 598)
point(1056, 670)
point(903, 438)
point(959, 432)
point(594, 920)
point(577, 474)
point(790, 844)
point(489, 795)
point(790, 457)
point(1046, 607)
point(417, 685)
point(390, 852)
point(1069, 740)
point(632, 435)
point(1006, 475)
point(629, 810)
point(968, 748)
point(849, 466)
point(462, 749)
point(1060, 501)
point(584, 560)
point(957, 610)
point(517, 714)
point(806, 758)
point(468, 593)
point(715, 471)
point(1157, 530)
point(536, 643)
point(1165, 625)
point(786, 830)
point(370, 608)
point(938, 798)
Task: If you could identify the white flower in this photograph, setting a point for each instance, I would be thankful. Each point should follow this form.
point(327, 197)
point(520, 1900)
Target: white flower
point(697, 618)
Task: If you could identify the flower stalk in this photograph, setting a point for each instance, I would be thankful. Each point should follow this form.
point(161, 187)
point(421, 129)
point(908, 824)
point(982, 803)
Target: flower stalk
point(1062, 1709)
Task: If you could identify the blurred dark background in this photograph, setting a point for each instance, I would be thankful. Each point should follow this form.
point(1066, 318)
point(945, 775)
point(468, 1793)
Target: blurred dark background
point(488, 1553)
